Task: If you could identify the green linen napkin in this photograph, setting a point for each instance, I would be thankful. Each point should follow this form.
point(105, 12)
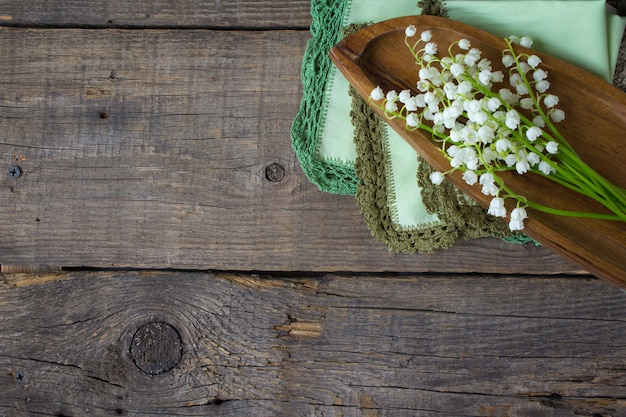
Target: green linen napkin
point(582, 32)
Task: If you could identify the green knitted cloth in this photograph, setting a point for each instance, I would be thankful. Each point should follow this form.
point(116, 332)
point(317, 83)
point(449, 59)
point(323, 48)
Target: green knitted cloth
point(398, 202)
point(329, 174)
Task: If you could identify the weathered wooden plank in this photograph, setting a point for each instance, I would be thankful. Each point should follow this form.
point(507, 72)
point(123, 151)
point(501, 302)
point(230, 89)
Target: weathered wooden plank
point(32, 269)
point(158, 13)
point(150, 149)
point(325, 346)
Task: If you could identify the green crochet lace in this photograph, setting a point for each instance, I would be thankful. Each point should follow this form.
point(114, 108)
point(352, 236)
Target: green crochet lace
point(461, 221)
point(330, 176)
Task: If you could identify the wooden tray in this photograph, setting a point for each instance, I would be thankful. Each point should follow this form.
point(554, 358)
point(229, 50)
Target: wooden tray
point(595, 126)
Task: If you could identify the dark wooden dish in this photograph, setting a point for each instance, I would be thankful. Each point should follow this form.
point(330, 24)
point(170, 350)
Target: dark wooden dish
point(595, 126)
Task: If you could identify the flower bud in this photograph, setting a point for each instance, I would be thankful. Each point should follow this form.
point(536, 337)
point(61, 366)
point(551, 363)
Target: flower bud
point(550, 100)
point(533, 133)
point(545, 168)
point(496, 207)
point(404, 96)
point(533, 61)
point(539, 75)
point(412, 120)
point(430, 48)
point(552, 147)
point(470, 177)
point(508, 60)
point(526, 41)
point(522, 167)
point(436, 177)
point(377, 94)
point(557, 115)
point(542, 86)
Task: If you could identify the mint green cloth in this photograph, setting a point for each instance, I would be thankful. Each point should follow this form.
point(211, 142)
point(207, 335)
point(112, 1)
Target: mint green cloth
point(579, 31)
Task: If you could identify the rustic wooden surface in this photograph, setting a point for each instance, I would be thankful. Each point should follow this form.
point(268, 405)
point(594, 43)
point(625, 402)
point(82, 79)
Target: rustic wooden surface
point(231, 14)
point(149, 148)
point(149, 135)
point(313, 346)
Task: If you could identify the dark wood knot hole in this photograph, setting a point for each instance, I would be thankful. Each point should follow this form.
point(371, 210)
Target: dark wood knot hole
point(274, 172)
point(156, 348)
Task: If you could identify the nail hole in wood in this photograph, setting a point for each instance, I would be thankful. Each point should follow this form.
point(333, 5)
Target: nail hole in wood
point(156, 348)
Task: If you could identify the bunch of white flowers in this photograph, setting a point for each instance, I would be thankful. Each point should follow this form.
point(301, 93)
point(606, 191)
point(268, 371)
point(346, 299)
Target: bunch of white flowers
point(488, 122)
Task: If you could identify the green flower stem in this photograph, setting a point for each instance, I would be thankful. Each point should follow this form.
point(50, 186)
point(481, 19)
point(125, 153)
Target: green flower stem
point(587, 186)
point(552, 210)
point(568, 213)
point(594, 194)
point(412, 49)
point(608, 194)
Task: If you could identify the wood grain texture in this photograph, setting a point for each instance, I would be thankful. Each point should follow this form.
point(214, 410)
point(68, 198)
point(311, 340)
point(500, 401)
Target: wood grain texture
point(159, 13)
point(325, 346)
point(149, 149)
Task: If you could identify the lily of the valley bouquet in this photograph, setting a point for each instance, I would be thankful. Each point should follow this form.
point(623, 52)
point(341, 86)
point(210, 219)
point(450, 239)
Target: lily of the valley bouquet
point(489, 121)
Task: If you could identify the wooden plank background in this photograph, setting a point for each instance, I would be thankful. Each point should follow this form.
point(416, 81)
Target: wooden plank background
point(314, 346)
point(145, 131)
point(149, 148)
point(231, 14)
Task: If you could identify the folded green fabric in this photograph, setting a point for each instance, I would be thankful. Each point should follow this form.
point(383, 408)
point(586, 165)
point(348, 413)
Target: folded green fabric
point(581, 32)
point(318, 73)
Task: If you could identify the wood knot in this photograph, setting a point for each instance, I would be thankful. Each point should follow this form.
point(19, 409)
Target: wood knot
point(274, 172)
point(156, 348)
